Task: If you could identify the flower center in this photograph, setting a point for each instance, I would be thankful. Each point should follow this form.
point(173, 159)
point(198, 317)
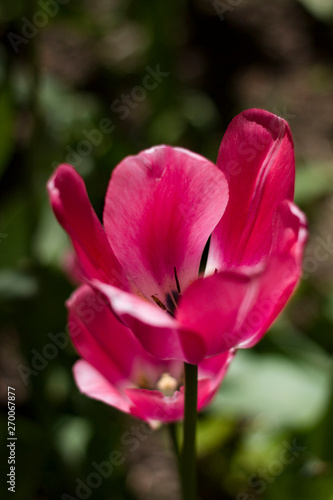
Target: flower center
point(171, 299)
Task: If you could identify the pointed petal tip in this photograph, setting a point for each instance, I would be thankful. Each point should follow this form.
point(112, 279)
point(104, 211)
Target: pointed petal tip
point(271, 121)
point(257, 157)
point(62, 169)
point(63, 174)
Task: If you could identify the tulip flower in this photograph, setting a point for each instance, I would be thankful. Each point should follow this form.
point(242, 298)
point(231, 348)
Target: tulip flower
point(161, 208)
point(116, 369)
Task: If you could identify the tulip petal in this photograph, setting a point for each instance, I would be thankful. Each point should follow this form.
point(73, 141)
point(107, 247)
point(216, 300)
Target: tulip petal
point(235, 309)
point(257, 157)
point(153, 406)
point(93, 330)
point(160, 209)
point(215, 306)
point(93, 384)
point(282, 274)
point(160, 334)
point(73, 210)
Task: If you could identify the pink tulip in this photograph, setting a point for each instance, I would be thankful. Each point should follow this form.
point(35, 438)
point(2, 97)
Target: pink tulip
point(160, 209)
point(116, 369)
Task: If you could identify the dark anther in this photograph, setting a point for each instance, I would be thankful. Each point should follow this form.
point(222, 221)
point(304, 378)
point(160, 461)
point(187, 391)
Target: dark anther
point(159, 303)
point(177, 282)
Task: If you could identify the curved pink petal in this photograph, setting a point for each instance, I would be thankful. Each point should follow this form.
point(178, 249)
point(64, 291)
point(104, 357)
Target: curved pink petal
point(73, 210)
point(160, 334)
point(153, 406)
point(235, 310)
point(282, 274)
point(160, 209)
point(215, 306)
point(289, 231)
point(257, 156)
point(100, 338)
point(92, 383)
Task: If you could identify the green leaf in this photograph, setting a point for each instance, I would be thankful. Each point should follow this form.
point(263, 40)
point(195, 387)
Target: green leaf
point(283, 391)
point(72, 437)
point(212, 433)
point(322, 9)
point(312, 182)
point(16, 285)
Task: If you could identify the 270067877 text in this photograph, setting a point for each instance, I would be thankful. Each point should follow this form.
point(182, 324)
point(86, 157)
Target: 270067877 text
point(11, 440)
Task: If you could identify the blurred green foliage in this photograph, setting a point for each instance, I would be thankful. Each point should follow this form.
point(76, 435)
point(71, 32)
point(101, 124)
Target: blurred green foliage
point(61, 74)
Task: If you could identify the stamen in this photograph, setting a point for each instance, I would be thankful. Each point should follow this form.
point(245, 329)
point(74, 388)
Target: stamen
point(177, 282)
point(159, 303)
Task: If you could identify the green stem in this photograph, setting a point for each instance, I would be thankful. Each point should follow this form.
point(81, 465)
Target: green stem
point(173, 436)
point(188, 460)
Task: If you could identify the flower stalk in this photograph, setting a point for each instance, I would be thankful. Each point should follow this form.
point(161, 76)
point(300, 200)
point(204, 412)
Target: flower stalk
point(188, 456)
point(173, 437)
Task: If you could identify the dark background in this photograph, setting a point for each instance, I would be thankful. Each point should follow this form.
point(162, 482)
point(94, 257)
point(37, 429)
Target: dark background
point(62, 66)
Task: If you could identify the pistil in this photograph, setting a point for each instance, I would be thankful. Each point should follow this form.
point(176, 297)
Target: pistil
point(167, 384)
